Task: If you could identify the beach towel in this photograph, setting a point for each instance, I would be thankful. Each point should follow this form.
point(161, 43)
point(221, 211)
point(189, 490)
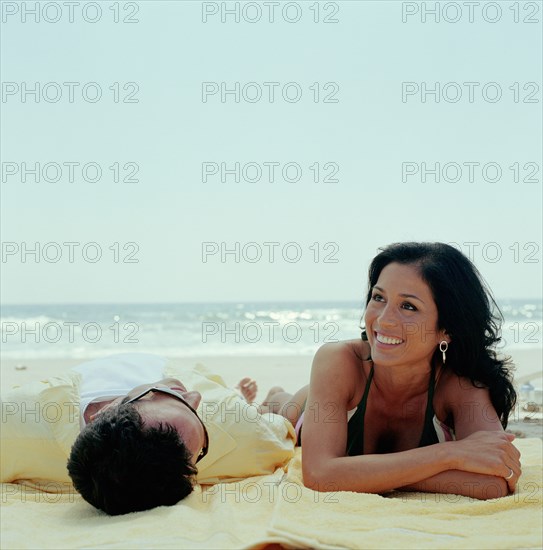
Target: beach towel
point(277, 508)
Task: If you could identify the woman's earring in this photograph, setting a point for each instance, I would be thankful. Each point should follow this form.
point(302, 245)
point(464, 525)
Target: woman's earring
point(443, 347)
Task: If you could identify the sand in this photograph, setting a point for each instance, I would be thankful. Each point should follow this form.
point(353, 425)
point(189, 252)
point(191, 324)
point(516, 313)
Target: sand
point(291, 372)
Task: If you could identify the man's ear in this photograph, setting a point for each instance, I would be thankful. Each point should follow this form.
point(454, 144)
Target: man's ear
point(102, 409)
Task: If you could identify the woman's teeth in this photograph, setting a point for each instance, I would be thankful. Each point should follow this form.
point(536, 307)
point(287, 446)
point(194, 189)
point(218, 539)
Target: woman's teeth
point(388, 339)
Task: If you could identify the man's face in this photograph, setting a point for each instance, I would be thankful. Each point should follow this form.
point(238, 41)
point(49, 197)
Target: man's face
point(159, 408)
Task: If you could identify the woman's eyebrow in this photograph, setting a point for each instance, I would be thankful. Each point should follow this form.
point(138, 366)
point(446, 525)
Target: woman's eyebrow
point(412, 296)
point(402, 295)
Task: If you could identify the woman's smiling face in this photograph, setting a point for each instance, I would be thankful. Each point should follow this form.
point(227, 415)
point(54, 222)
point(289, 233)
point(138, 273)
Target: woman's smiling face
point(401, 317)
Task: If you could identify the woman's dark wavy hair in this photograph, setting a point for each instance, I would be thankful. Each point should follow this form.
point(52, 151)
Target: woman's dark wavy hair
point(119, 465)
point(466, 311)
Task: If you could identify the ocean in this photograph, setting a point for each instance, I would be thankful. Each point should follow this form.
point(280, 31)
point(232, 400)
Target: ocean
point(209, 329)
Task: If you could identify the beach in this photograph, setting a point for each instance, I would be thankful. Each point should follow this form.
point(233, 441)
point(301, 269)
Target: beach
point(262, 511)
point(289, 371)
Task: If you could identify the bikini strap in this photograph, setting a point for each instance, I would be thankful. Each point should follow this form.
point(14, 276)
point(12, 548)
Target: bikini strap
point(355, 426)
point(364, 399)
point(429, 435)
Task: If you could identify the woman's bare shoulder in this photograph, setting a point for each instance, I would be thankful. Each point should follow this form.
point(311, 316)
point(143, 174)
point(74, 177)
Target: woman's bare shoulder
point(338, 367)
point(345, 354)
point(455, 392)
point(459, 387)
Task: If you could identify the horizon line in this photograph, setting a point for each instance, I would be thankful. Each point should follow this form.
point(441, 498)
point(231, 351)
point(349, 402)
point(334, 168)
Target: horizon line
point(311, 300)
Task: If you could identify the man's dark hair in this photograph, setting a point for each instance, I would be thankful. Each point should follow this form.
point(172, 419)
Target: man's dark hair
point(119, 465)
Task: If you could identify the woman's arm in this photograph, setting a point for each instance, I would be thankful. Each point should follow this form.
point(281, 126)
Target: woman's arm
point(459, 482)
point(324, 440)
point(474, 418)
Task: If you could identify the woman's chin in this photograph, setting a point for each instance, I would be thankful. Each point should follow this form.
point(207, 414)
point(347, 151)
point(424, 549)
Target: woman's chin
point(385, 356)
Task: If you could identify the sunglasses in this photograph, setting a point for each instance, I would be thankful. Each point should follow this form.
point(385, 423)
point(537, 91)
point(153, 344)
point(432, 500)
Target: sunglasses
point(173, 393)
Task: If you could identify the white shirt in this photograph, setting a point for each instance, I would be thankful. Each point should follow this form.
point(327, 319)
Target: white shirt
point(109, 377)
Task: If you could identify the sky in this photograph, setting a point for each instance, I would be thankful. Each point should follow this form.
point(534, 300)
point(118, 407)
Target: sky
point(169, 173)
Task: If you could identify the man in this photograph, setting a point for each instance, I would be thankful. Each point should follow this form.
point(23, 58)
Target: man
point(141, 443)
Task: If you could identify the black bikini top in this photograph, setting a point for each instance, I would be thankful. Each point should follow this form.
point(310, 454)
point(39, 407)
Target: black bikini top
point(355, 426)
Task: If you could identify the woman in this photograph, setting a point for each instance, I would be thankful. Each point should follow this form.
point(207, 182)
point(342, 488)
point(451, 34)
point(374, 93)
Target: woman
point(421, 401)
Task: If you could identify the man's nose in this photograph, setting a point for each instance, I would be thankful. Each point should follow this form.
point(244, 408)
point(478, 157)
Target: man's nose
point(171, 382)
point(193, 398)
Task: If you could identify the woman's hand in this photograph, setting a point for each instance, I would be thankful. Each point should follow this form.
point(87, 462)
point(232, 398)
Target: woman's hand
point(491, 453)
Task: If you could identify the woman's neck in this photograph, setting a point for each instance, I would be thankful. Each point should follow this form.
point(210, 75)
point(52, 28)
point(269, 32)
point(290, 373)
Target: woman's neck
point(398, 384)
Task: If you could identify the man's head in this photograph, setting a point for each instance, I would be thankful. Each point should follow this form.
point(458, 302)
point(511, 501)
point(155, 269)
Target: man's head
point(140, 451)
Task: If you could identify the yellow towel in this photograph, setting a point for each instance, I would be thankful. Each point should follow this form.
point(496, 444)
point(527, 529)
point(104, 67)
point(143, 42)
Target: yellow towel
point(226, 515)
point(278, 509)
point(414, 520)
